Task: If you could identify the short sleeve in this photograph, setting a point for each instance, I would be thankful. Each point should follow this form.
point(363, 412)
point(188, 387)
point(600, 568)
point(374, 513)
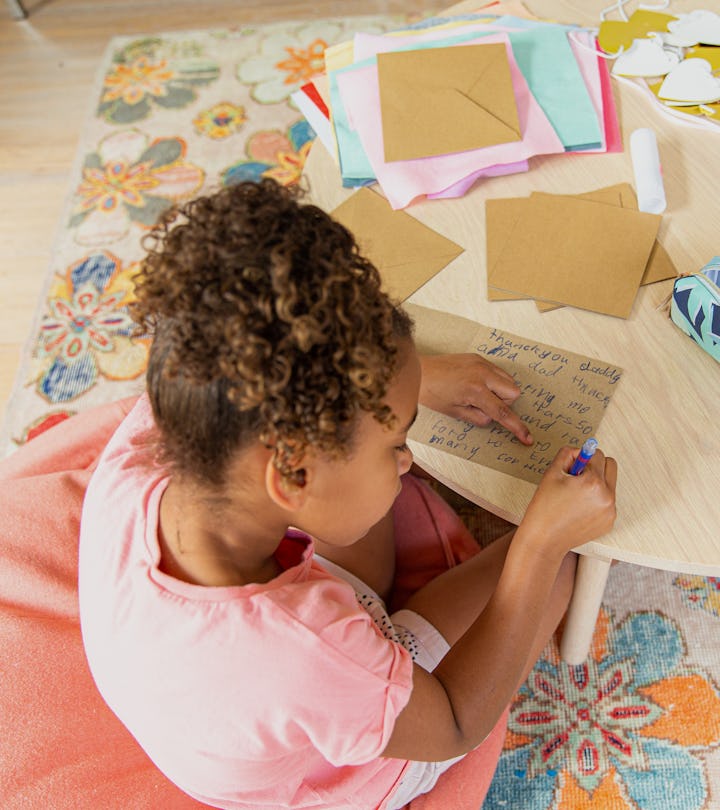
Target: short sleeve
point(351, 683)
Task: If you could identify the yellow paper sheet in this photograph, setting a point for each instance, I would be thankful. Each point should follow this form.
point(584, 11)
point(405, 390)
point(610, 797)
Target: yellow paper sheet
point(616, 34)
point(406, 252)
point(339, 55)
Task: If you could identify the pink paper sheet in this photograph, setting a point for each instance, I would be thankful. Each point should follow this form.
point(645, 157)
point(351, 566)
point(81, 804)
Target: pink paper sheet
point(366, 46)
point(613, 136)
point(592, 68)
point(402, 181)
point(464, 185)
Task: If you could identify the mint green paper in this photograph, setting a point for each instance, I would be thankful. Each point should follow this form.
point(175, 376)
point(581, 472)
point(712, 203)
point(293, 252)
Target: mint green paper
point(546, 60)
point(355, 168)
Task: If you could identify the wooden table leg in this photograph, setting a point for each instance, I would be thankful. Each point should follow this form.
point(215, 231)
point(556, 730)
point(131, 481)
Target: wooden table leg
point(590, 579)
point(17, 10)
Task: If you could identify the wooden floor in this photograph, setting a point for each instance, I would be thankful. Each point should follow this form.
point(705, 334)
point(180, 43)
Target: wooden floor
point(47, 66)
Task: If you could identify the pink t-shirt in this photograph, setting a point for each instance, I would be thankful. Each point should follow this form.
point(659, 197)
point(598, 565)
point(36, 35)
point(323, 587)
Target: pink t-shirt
point(281, 694)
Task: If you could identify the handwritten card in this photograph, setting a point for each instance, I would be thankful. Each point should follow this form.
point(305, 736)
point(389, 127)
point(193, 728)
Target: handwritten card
point(563, 395)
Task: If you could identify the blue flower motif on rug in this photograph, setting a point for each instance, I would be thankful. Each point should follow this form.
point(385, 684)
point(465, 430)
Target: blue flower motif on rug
point(613, 732)
point(87, 331)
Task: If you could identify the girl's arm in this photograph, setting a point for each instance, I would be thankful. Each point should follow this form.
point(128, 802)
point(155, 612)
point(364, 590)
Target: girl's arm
point(452, 709)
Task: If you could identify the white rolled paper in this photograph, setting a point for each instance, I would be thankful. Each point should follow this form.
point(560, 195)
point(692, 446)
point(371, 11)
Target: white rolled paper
point(648, 174)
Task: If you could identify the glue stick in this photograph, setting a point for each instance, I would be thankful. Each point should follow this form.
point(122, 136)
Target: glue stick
point(648, 174)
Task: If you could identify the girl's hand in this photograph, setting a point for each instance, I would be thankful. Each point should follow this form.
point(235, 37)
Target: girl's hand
point(468, 387)
point(569, 510)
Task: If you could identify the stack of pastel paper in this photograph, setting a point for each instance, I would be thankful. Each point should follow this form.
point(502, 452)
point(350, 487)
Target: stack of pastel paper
point(428, 111)
point(591, 251)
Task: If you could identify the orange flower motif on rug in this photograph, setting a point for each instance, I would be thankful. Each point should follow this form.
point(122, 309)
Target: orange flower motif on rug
point(132, 82)
point(130, 180)
point(153, 72)
point(303, 63)
point(290, 57)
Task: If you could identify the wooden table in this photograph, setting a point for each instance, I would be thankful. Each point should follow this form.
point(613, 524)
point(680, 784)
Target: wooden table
point(663, 424)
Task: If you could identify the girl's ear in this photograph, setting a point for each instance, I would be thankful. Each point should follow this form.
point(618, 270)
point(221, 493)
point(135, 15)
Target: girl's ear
point(289, 492)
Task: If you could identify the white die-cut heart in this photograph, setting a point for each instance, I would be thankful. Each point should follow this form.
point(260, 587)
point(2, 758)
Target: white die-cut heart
point(697, 27)
point(691, 82)
point(645, 57)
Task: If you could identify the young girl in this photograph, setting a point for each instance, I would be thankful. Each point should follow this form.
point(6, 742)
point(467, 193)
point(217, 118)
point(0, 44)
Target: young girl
point(237, 551)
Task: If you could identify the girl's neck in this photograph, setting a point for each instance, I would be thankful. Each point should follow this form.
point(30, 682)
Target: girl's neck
point(204, 544)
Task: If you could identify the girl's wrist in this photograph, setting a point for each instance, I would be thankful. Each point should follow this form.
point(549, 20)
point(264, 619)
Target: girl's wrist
point(534, 549)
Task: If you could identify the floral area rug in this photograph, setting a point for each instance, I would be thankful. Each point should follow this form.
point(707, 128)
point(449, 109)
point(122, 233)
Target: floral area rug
point(173, 116)
point(637, 725)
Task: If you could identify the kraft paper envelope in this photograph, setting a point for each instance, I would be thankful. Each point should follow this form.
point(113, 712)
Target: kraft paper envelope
point(440, 101)
point(502, 214)
point(500, 218)
point(577, 252)
point(660, 266)
point(406, 252)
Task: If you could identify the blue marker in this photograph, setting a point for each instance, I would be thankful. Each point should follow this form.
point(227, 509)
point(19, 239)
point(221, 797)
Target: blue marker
point(586, 453)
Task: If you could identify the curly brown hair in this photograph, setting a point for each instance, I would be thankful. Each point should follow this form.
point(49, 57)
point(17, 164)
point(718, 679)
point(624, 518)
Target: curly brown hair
point(268, 324)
